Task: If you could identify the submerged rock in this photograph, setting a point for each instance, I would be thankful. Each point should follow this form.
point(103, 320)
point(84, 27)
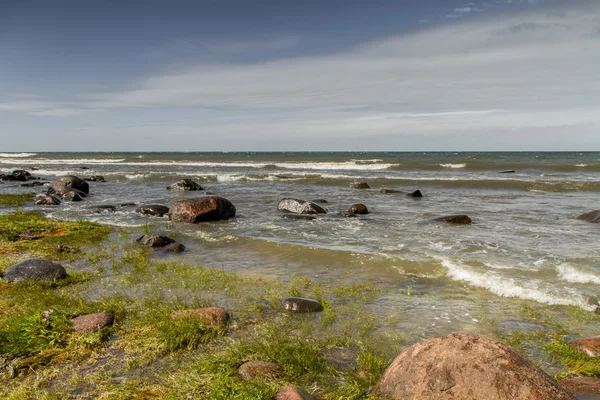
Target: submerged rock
point(455, 219)
point(154, 210)
point(361, 185)
point(320, 201)
point(68, 183)
point(104, 208)
point(360, 209)
point(92, 322)
point(34, 269)
point(466, 366)
point(507, 171)
point(301, 305)
point(582, 386)
point(296, 206)
point(185, 184)
point(304, 217)
point(174, 248)
point(213, 316)
point(154, 240)
point(259, 370)
point(209, 208)
point(590, 345)
point(34, 184)
point(592, 216)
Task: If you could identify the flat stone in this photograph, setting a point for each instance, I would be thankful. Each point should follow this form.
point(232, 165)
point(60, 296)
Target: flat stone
point(301, 305)
point(296, 206)
point(590, 345)
point(455, 219)
point(212, 316)
point(155, 210)
point(154, 240)
point(343, 359)
point(259, 370)
point(185, 184)
point(92, 322)
point(293, 393)
point(583, 385)
point(174, 248)
point(34, 269)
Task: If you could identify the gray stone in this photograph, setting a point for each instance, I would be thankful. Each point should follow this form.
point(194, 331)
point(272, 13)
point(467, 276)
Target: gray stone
point(296, 206)
point(154, 240)
point(34, 269)
point(154, 210)
point(185, 184)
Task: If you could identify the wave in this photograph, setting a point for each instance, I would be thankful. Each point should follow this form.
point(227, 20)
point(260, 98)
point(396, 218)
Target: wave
point(572, 274)
point(453, 165)
point(68, 161)
point(17, 155)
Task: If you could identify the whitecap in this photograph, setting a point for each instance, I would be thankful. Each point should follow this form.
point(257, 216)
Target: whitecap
point(573, 274)
point(17, 155)
point(453, 165)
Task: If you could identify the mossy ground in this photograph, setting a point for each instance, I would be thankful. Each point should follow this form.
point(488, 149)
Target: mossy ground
point(337, 354)
point(15, 200)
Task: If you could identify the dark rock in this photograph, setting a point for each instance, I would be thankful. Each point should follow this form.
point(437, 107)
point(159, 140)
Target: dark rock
point(155, 210)
point(358, 209)
point(96, 178)
point(83, 168)
point(416, 193)
point(174, 248)
point(581, 385)
point(293, 393)
point(46, 200)
point(390, 191)
point(508, 171)
point(69, 183)
point(259, 370)
point(72, 195)
point(34, 184)
point(299, 216)
point(592, 216)
point(130, 205)
point(209, 208)
point(17, 175)
point(63, 248)
point(104, 208)
point(92, 322)
point(185, 184)
point(296, 206)
point(361, 185)
point(301, 305)
point(466, 366)
point(213, 316)
point(320, 201)
point(590, 345)
point(455, 219)
point(34, 269)
point(154, 240)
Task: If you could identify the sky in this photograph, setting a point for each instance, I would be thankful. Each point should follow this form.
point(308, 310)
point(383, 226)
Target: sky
point(420, 75)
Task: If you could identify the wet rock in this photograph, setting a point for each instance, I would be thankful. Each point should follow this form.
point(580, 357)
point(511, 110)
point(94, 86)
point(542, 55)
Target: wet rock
point(320, 201)
point(582, 385)
point(96, 178)
point(46, 200)
point(301, 305)
point(508, 171)
point(296, 206)
point(185, 184)
point(104, 208)
point(132, 205)
point(72, 195)
point(390, 191)
point(154, 240)
point(154, 210)
point(92, 322)
point(466, 366)
point(416, 193)
point(361, 185)
point(174, 248)
point(34, 269)
point(259, 370)
point(590, 345)
point(592, 216)
point(83, 168)
point(293, 393)
point(17, 175)
point(34, 184)
point(69, 183)
point(360, 209)
point(202, 209)
point(305, 217)
point(212, 316)
point(455, 219)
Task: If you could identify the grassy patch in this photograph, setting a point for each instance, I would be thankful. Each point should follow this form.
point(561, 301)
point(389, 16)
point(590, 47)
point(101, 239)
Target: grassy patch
point(15, 200)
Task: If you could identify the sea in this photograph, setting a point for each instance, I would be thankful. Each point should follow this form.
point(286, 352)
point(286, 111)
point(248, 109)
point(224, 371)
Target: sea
point(524, 245)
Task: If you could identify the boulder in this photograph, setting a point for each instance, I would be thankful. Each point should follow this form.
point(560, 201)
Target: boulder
point(466, 366)
point(259, 370)
point(72, 195)
point(582, 386)
point(68, 183)
point(154, 210)
point(304, 217)
point(209, 208)
point(34, 269)
point(154, 240)
point(592, 216)
point(185, 184)
point(361, 185)
point(174, 248)
point(17, 175)
point(416, 193)
point(296, 206)
point(590, 345)
point(455, 219)
point(293, 393)
point(212, 316)
point(358, 209)
point(92, 322)
point(46, 200)
point(301, 305)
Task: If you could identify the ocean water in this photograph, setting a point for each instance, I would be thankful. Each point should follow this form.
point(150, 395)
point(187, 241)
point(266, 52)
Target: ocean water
point(524, 243)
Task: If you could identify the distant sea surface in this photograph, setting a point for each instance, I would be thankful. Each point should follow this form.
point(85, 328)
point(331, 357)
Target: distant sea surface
point(524, 242)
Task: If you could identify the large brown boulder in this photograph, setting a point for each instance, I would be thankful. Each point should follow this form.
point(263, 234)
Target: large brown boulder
point(209, 208)
point(466, 367)
point(69, 184)
point(590, 345)
point(592, 216)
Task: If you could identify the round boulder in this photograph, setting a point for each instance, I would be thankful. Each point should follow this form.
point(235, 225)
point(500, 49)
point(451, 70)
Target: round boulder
point(154, 210)
point(592, 216)
point(466, 366)
point(68, 182)
point(296, 206)
point(154, 240)
point(92, 322)
point(185, 184)
point(455, 219)
point(301, 305)
point(211, 316)
point(202, 209)
point(34, 269)
point(258, 370)
point(358, 209)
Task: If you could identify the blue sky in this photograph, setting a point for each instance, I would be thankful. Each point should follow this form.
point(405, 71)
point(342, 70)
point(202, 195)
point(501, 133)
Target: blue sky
point(282, 75)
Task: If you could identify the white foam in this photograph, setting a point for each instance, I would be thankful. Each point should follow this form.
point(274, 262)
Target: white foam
point(17, 155)
point(137, 176)
point(453, 165)
point(573, 274)
point(581, 165)
point(68, 161)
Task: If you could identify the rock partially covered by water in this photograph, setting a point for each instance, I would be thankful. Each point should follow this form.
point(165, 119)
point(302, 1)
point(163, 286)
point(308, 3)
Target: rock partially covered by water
point(35, 184)
point(154, 240)
point(455, 219)
point(92, 322)
point(34, 269)
point(46, 200)
point(154, 210)
point(296, 206)
point(202, 209)
point(416, 193)
point(301, 305)
point(213, 316)
point(361, 185)
point(358, 209)
point(72, 195)
point(68, 187)
point(590, 345)
point(592, 216)
point(293, 393)
point(96, 178)
point(174, 248)
point(304, 217)
point(508, 171)
point(582, 386)
point(466, 366)
point(185, 184)
point(16, 175)
point(259, 370)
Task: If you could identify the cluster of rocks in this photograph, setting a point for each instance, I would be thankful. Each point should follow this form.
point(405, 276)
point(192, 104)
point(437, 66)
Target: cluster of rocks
point(17, 175)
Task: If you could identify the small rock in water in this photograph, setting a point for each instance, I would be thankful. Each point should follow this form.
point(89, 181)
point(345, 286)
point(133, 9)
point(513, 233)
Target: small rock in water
point(154, 240)
point(358, 209)
point(155, 210)
point(301, 305)
point(508, 171)
point(592, 216)
point(293, 393)
point(34, 269)
point(96, 178)
point(46, 200)
point(104, 208)
point(34, 184)
point(590, 345)
point(213, 316)
point(455, 219)
point(185, 184)
point(296, 206)
point(72, 195)
point(92, 322)
point(361, 185)
point(174, 248)
point(390, 191)
point(63, 248)
point(129, 205)
point(299, 217)
point(202, 209)
point(416, 193)
point(259, 370)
